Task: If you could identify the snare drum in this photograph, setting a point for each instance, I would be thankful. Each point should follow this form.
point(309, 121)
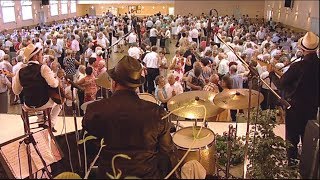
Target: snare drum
point(203, 149)
point(148, 97)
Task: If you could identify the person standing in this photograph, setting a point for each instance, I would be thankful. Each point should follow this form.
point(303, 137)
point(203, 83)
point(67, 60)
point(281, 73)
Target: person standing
point(5, 85)
point(301, 86)
point(152, 63)
point(153, 36)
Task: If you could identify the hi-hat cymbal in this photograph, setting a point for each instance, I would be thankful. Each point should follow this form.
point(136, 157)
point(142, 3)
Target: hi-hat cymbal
point(237, 99)
point(191, 105)
point(103, 80)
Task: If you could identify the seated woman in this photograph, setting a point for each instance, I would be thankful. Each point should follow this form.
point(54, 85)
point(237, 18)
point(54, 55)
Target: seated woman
point(225, 84)
point(160, 92)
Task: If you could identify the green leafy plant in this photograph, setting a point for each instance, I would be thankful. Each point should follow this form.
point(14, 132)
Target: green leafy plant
point(71, 175)
point(266, 151)
point(237, 150)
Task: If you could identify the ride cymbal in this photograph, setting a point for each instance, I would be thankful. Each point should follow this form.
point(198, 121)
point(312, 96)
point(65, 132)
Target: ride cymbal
point(192, 105)
point(237, 99)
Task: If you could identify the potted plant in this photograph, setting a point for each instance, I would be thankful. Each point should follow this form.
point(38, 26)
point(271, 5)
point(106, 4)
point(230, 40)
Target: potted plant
point(266, 151)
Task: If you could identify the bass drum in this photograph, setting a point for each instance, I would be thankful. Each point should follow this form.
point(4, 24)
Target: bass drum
point(203, 149)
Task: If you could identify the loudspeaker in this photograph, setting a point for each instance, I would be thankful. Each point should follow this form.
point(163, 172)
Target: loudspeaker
point(44, 2)
point(309, 164)
point(288, 3)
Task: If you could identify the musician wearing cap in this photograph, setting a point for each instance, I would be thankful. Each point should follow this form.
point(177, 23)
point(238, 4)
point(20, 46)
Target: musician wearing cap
point(35, 80)
point(301, 86)
point(130, 126)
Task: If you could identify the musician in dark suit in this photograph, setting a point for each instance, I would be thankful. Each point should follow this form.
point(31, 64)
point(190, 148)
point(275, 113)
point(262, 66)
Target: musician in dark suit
point(35, 80)
point(301, 86)
point(130, 126)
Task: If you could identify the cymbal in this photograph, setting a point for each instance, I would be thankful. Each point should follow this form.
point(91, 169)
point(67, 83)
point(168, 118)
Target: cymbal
point(237, 99)
point(103, 80)
point(85, 105)
point(191, 105)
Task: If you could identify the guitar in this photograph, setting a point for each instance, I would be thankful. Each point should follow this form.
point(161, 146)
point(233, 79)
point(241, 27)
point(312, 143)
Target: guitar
point(57, 94)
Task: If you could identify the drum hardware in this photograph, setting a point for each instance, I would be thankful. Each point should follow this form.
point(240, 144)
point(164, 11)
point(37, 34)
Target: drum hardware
point(237, 99)
point(189, 146)
point(253, 74)
point(231, 135)
point(190, 105)
point(202, 146)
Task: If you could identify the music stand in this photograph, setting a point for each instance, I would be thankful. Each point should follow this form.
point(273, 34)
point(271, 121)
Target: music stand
point(15, 160)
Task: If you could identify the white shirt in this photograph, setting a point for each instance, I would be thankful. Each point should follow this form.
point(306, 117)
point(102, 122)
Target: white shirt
point(231, 57)
point(151, 60)
point(176, 87)
point(132, 38)
point(153, 32)
point(167, 34)
point(134, 52)
point(149, 23)
point(194, 33)
point(267, 80)
point(158, 23)
point(67, 91)
point(75, 45)
point(223, 67)
point(46, 73)
point(1, 54)
point(6, 66)
point(17, 67)
point(103, 42)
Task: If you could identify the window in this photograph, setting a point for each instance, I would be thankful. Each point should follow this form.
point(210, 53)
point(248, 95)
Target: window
point(8, 12)
point(73, 6)
point(26, 9)
point(64, 6)
point(54, 7)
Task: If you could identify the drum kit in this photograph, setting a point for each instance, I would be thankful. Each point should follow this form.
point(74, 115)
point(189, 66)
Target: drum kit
point(198, 105)
point(202, 105)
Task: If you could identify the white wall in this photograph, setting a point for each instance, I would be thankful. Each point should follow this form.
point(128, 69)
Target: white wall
point(299, 16)
point(36, 7)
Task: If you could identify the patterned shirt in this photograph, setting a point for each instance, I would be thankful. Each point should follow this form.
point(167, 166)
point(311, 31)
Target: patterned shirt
point(70, 66)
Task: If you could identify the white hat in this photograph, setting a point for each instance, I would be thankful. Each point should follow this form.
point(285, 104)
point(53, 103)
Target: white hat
point(309, 42)
point(30, 51)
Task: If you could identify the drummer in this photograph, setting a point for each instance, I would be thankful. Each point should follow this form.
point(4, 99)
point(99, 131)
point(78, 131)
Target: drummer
point(130, 126)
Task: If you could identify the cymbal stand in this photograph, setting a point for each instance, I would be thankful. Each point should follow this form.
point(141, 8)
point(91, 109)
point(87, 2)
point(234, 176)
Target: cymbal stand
point(253, 74)
point(231, 133)
point(74, 114)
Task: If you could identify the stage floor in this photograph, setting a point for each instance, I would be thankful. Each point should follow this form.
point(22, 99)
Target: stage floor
point(12, 126)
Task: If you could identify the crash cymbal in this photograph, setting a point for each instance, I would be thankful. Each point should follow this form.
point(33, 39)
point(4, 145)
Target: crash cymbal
point(191, 105)
point(103, 81)
point(237, 99)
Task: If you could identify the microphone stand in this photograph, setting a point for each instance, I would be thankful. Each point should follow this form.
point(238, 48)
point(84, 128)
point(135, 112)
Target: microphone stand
point(74, 114)
point(252, 74)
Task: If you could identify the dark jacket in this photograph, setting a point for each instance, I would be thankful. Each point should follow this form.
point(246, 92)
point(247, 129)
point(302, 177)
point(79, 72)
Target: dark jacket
point(301, 83)
point(133, 127)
